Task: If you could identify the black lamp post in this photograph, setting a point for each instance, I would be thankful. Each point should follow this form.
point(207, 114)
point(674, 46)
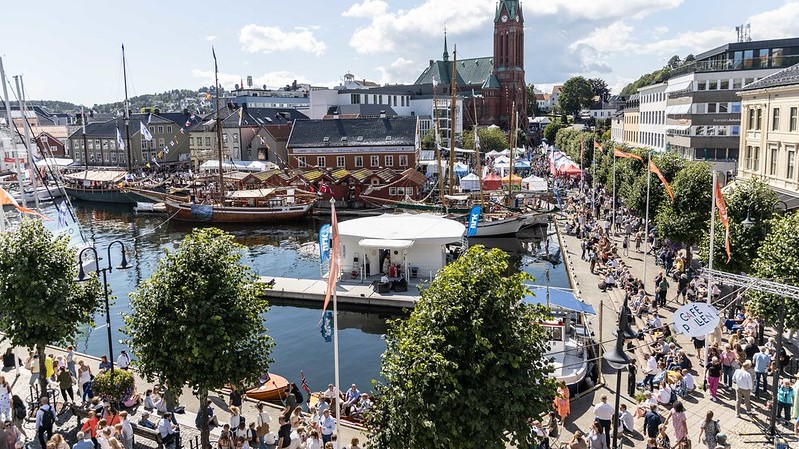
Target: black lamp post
point(82, 277)
point(618, 360)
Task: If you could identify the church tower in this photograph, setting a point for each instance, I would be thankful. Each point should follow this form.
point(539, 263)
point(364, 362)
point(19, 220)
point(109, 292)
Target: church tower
point(509, 63)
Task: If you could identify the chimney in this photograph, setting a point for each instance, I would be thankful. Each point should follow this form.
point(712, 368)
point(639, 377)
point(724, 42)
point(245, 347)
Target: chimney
point(382, 113)
point(431, 63)
point(335, 114)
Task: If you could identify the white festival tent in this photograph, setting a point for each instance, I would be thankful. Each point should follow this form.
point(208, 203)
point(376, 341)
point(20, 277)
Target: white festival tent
point(470, 182)
point(534, 184)
point(253, 166)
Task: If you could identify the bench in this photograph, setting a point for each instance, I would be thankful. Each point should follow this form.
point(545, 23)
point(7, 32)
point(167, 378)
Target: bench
point(138, 431)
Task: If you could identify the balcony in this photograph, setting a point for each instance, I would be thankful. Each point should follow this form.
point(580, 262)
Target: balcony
point(728, 65)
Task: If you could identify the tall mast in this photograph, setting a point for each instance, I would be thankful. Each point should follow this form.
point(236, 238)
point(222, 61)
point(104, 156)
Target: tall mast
point(218, 131)
point(127, 107)
point(85, 141)
point(512, 145)
point(454, 84)
point(11, 127)
point(438, 147)
point(27, 136)
point(477, 150)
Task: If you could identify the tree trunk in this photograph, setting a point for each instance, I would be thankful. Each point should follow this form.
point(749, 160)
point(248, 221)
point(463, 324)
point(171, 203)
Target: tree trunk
point(689, 256)
point(205, 439)
point(42, 371)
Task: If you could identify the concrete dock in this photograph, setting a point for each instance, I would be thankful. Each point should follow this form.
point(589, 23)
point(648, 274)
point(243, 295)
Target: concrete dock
point(348, 292)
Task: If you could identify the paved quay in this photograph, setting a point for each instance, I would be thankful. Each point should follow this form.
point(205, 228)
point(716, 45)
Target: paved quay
point(66, 423)
point(747, 431)
point(348, 292)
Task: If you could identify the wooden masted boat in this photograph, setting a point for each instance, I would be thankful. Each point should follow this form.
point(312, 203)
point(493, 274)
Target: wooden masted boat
point(245, 206)
point(274, 389)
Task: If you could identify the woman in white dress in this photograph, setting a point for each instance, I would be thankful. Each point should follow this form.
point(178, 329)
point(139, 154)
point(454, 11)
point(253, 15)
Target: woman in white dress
point(5, 399)
point(84, 376)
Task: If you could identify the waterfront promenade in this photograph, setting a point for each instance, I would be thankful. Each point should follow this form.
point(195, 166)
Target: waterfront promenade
point(66, 423)
point(748, 430)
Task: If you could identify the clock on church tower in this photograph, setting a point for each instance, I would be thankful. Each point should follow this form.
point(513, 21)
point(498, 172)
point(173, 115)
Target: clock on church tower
point(509, 61)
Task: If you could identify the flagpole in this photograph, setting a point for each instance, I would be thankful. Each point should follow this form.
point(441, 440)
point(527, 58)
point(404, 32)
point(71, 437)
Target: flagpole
point(710, 257)
point(613, 219)
point(7, 102)
point(335, 338)
point(646, 220)
point(127, 108)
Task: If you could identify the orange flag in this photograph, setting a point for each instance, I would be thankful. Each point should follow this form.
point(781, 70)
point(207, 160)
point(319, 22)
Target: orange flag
point(597, 146)
point(335, 256)
point(722, 207)
point(654, 169)
point(7, 200)
point(619, 153)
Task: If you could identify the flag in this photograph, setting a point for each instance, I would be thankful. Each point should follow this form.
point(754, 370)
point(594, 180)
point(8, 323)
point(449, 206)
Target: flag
point(7, 200)
point(474, 218)
point(722, 207)
point(417, 141)
point(304, 383)
point(181, 130)
point(327, 326)
point(171, 143)
point(62, 214)
point(120, 142)
point(597, 146)
point(187, 124)
point(145, 133)
point(240, 115)
point(324, 248)
point(156, 163)
point(654, 169)
point(619, 153)
point(335, 250)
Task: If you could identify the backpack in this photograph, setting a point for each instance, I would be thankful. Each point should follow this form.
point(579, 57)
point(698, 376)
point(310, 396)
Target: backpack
point(19, 411)
point(48, 418)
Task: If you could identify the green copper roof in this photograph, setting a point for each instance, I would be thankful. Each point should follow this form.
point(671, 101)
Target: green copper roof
point(491, 83)
point(512, 6)
point(473, 71)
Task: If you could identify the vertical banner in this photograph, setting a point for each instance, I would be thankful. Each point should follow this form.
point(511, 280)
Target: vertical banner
point(474, 217)
point(722, 208)
point(324, 249)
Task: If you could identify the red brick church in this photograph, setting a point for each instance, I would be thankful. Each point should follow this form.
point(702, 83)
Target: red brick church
point(497, 81)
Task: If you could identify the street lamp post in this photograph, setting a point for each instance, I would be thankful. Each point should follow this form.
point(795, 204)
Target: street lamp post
point(82, 277)
point(618, 360)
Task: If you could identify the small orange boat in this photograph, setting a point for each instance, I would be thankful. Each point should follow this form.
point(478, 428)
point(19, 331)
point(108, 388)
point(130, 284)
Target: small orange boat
point(273, 389)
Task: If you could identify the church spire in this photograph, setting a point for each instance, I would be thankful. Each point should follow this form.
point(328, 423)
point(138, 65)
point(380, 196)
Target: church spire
point(446, 50)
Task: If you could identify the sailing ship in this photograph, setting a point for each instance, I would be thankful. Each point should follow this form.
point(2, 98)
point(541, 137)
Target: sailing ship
point(243, 206)
point(101, 186)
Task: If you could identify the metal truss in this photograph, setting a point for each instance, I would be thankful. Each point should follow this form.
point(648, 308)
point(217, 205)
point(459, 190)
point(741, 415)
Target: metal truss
point(751, 283)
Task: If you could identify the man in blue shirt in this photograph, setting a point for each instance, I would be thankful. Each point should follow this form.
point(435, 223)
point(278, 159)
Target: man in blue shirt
point(328, 425)
point(350, 398)
point(761, 360)
point(105, 365)
point(84, 442)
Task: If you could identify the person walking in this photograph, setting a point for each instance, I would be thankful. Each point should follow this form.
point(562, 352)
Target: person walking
point(19, 414)
point(678, 420)
point(596, 439)
point(743, 388)
point(761, 361)
point(65, 380)
point(713, 378)
point(785, 400)
point(603, 413)
point(728, 365)
point(45, 418)
point(652, 421)
point(709, 430)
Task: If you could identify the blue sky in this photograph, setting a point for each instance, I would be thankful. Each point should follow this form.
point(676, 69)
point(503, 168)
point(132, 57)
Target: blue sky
point(71, 50)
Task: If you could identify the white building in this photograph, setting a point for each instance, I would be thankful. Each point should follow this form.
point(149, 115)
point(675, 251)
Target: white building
point(652, 112)
point(617, 127)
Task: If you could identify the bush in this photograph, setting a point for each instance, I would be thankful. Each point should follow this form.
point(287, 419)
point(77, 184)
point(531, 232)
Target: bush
point(119, 389)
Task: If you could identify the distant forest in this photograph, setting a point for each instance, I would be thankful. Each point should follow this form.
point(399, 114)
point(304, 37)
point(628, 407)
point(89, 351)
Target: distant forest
point(658, 76)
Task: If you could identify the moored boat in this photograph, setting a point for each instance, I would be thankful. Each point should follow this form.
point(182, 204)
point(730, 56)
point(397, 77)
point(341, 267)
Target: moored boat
point(245, 206)
point(102, 186)
point(272, 389)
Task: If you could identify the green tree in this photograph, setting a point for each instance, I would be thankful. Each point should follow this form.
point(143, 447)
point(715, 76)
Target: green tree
point(429, 140)
point(749, 196)
point(532, 104)
point(467, 368)
point(551, 130)
point(41, 302)
point(491, 139)
point(198, 320)
point(575, 95)
point(687, 218)
point(777, 260)
point(600, 88)
point(674, 62)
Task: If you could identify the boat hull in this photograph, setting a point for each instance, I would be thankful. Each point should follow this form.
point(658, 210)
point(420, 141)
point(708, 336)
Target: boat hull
point(41, 192)
point(508, 227)
point(431, 208)
point(224, 214)
point(106, 196)
point(273, 390)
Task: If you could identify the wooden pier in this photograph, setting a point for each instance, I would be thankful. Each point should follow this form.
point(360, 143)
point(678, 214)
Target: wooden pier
point(351, 293)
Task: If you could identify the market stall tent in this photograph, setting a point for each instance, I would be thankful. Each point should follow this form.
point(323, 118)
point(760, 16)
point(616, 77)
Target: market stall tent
point(470, 182)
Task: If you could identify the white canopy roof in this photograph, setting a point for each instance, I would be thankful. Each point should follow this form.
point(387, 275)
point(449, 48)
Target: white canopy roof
point(415, 227)
point(534, 184)
point(97, 175)
point(678, 109)
point(382, 243)
point(676, 87)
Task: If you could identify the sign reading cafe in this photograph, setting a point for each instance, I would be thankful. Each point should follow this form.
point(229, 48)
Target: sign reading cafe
point(696, 319)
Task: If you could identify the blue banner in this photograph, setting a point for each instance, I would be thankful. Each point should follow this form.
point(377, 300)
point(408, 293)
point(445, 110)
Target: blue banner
point(324, 244)
point(327, 326)
point(474, 217)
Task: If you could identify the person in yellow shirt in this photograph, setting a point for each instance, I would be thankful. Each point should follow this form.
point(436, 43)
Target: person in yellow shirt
point(48, 365)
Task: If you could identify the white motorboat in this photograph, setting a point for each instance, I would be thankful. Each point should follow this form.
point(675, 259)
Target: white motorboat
point(508, 226)
point(44, 193)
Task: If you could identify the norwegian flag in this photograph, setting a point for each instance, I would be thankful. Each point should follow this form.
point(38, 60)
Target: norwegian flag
point(304, 383)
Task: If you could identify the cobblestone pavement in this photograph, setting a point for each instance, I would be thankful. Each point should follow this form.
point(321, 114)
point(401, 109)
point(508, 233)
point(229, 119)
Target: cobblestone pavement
point(747, 431)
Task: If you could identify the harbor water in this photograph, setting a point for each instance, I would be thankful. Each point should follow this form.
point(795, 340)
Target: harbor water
point(273, 250)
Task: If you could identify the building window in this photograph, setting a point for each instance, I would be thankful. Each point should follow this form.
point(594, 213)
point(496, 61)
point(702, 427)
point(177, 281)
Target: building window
point(374, 161)
point(169, 129)
point(160, 130)
point(792, 123)
point(774, 154)
point(403, 160)
point(735, 107)
point(114, 158)
point(160, 142)
point(791, 164)
point(191, 141)
point(775, 119)
point(751, 120)
point(152, 130)
point(389, 160)
point(701, 85)
point(759, 120)
point(340, 162)
point(208, 141)
point(320, 161)
point(392, 191)
point(355, 98)
point(359, 161)
point(300, 161)
point(756, 159)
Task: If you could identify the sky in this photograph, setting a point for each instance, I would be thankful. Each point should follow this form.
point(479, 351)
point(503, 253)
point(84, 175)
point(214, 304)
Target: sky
point(71, 50)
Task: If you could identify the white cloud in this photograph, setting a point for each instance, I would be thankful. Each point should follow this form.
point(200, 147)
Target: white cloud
point(399, 71)
point(777, 23)
point(272, 80)
point(369, 8)
point(210, 38)
point(389, 31)
point(256, 38)
point(601, 9)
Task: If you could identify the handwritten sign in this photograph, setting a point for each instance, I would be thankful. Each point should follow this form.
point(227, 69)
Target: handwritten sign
point(696, 319)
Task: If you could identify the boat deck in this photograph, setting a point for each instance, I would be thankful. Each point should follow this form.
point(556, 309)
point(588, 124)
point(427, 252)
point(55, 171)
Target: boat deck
point(349, 292)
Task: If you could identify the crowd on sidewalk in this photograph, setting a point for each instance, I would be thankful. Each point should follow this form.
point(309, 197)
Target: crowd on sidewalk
point(738, 368)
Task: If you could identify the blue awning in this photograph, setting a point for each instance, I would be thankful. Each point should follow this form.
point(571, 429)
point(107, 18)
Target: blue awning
point(558, 298)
